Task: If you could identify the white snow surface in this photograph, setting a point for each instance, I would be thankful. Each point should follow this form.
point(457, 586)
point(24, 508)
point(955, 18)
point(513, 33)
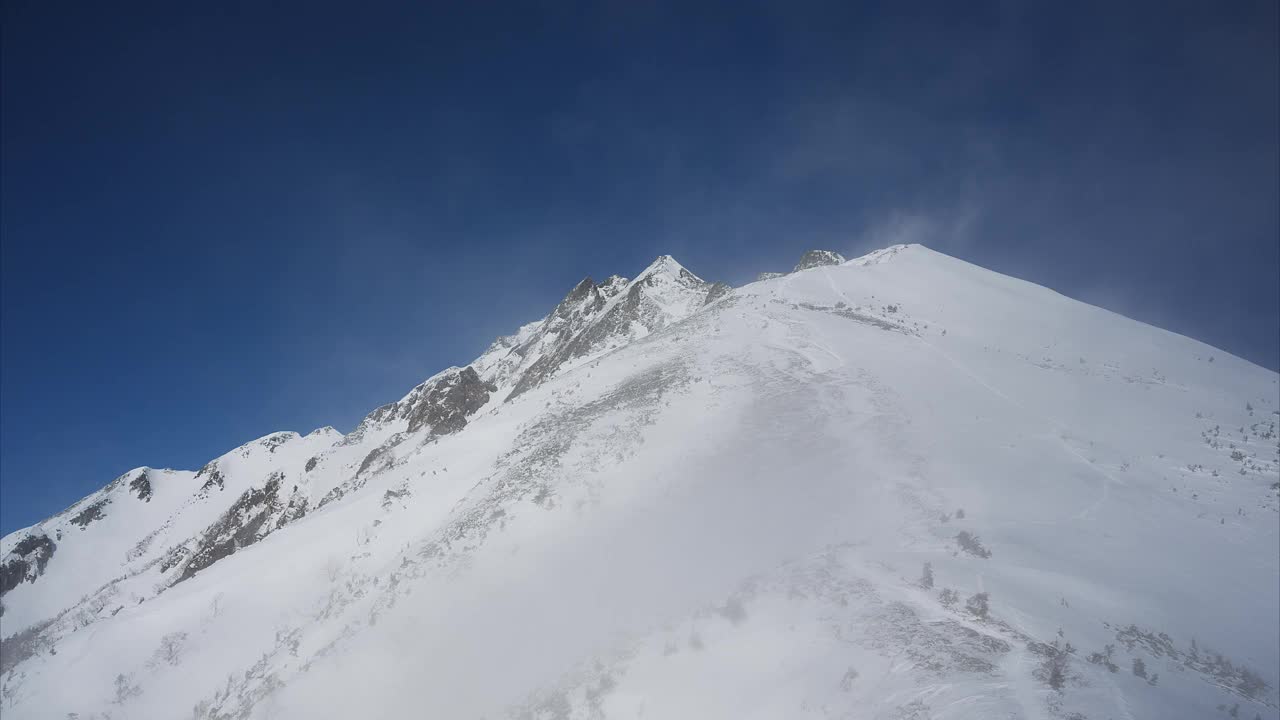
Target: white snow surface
point(715, 510)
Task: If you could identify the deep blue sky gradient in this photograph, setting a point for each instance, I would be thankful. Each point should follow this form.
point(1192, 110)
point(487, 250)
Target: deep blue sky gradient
point(223, 219)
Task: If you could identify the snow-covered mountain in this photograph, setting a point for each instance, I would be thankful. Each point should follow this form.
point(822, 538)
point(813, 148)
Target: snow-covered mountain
point(899, 486)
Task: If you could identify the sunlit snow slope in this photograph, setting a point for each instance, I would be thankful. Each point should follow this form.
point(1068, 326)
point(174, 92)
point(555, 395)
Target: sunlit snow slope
point(899, 486)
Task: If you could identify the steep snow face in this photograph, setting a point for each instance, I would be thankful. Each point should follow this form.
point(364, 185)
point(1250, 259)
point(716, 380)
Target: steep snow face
point(882, 255)
point(899, 486)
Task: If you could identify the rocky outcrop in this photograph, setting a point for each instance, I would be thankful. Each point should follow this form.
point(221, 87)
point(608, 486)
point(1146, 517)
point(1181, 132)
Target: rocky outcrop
point(811, 259)
point(91, 513)
point(717, 291)
point(818, 258)
point(294, 509)
point(26, 561)
point(213, 477)
point(256, 514)
point(445, 407)
point(275, 440)
point(442, 403)
point(141, 486)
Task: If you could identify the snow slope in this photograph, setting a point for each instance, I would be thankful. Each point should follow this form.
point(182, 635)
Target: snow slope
point(899, 486)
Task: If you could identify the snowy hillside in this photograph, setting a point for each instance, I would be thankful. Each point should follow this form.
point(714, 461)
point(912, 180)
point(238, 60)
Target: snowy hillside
point(898, 486)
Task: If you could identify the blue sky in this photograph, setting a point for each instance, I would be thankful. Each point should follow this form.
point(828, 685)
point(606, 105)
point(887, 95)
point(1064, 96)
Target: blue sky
point(221, 220)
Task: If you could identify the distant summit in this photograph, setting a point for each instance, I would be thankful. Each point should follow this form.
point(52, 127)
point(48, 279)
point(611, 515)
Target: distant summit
point(818, 258)
point(811, 259)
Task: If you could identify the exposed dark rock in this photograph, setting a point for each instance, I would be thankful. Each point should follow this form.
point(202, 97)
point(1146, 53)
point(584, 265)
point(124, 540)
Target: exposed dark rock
point(390, 496)
point(371, 458)
point(717, 291)
point(295, 509)
point(27, 561)
point(174, 557)
point(442, 403)
point(384, 412)
point(445, 407)
point(376, 461)
point(818, 258)
point(811, 259)
point(142, 486)
point(332, 496)
point(574, 313)
point(30, 543)
point(585, 292)
point(311, 464)
point(271, 442)
point(90, 514)
point(213, 477)
point(634, 308)
point(612, 285)
point(245, 523)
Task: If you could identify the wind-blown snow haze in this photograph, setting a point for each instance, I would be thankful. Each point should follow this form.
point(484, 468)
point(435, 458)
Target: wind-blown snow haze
point(894, 486)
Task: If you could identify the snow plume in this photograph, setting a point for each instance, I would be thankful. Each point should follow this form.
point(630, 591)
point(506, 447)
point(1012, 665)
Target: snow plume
point(897, 486)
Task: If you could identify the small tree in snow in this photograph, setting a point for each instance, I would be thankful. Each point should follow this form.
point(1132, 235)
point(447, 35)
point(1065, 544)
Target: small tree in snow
point(971, 544)
point(125, 689)
point(978, 606)
point(846, 682)
point(1055, 667)
point(170, 650)
point(926, 577)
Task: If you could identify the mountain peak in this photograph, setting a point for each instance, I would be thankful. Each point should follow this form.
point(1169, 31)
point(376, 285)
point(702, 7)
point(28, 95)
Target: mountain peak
point(613, 285)
point(818, 258)
point(664, 264)
point(581, 293)
point(667, 266)
point(829, 424)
